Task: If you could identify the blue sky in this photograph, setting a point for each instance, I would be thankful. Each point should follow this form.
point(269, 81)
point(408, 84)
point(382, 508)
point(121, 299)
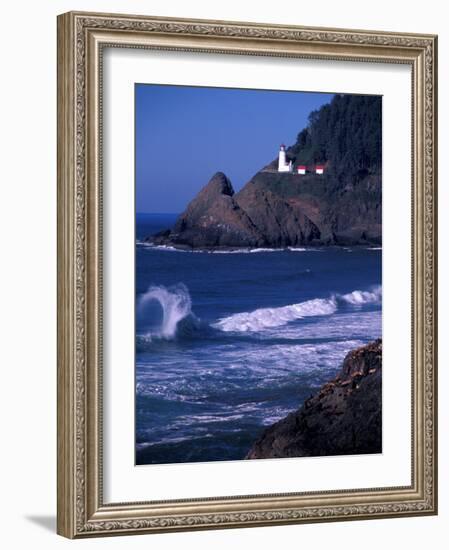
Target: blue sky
point(185, 134)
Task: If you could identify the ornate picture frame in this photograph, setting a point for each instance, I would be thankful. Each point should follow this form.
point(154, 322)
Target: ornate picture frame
point(82, 39)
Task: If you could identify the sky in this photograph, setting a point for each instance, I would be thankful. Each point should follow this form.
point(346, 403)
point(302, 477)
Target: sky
point(184, 134)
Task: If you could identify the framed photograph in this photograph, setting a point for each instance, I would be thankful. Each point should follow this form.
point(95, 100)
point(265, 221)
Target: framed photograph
point(246, 274)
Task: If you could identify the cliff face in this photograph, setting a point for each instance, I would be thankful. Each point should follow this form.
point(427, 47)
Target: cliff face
point(341, 207)
point(212, 219)
point(344, 417)
point(313, 209)
point(279, 210)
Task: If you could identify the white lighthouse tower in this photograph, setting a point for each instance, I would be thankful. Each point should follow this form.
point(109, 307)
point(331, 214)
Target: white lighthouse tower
point(283, 165)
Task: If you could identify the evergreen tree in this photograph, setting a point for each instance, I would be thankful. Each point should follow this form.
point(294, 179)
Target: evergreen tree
point(346, 134)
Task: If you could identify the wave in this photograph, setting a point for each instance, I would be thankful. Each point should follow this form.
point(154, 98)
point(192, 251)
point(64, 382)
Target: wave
point(361, 297)
point(276, 317)
point(176, 306)
point(178, 319)
point(264, 318)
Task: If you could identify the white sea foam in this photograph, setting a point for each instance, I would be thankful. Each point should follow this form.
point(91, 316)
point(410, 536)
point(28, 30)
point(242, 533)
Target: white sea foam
point(264, 250)
point(239, 251)
point(276, 317)
point(265, 318)
point(258, 250)
point(166, 247)
point(170, 248)
point(303, 249)
point(176, 305)
point(245, 250)
point(360, 297)
point(163, 247)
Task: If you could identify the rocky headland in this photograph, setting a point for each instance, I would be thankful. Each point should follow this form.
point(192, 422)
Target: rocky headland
point(344, 417)
point(342, 206)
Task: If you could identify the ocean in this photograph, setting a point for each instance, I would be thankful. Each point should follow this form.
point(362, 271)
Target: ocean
point(227, 343)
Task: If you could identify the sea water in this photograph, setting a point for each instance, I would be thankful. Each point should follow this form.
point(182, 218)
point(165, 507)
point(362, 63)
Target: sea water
point(229, 342)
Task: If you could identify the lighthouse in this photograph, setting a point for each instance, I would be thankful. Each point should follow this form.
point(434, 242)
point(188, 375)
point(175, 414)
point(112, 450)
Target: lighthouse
point(283, 165)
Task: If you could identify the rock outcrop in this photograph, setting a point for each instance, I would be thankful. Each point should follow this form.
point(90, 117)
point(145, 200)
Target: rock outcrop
point(343, 418)
point(213, 219)
point(275, 209)
point(278, 210)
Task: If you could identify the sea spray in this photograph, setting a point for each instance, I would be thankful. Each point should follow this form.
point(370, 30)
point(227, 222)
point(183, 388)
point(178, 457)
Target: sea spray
point(175, 303)
point(275, 317)
point(265, 318)
point(360, 297)
point(176, 307)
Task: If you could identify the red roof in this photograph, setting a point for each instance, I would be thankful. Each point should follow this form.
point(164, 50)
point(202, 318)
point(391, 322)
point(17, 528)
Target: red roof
point(302, 166)
point(319, 166)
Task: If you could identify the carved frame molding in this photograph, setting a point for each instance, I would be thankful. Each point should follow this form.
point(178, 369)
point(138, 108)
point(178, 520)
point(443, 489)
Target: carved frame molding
point(81, 39)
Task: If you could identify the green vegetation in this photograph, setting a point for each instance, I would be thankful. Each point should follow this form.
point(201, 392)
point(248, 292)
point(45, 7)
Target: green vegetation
point(346, 134)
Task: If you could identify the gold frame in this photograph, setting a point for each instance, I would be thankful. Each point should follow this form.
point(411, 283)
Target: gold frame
point(81, 38)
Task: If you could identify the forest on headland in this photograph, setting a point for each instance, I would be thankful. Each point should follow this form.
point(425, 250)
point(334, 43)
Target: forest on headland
point(346, 134)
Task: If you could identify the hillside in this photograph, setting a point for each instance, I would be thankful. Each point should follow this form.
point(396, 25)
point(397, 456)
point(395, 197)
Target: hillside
point(347, 134)
point(343, 206)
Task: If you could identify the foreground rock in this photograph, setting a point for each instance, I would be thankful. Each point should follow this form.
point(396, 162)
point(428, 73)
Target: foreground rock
point(344, 417)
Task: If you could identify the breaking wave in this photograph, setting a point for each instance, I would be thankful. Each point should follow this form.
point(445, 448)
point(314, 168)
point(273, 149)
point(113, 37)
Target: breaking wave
point(360, 297)
point(176, 306)
point(263, 318)
point(276, 317)
point(178, 318)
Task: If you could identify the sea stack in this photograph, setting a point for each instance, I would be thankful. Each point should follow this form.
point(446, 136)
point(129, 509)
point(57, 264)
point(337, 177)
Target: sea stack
point(213, 219)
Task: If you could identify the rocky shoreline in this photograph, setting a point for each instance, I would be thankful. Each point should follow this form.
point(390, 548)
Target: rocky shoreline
point(343, 418)
point(277, 211)
point(150, 243)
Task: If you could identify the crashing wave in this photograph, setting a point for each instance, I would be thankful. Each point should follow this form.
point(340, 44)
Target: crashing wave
point(360, 297)
point(264, 318)
point(276, 317)
point(179, 320)
point(175, 303)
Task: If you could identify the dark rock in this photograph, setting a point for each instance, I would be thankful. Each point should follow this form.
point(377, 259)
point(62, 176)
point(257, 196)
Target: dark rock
point(343, 418)
point(213, 219)
point(277, 210)
point(282, 222)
